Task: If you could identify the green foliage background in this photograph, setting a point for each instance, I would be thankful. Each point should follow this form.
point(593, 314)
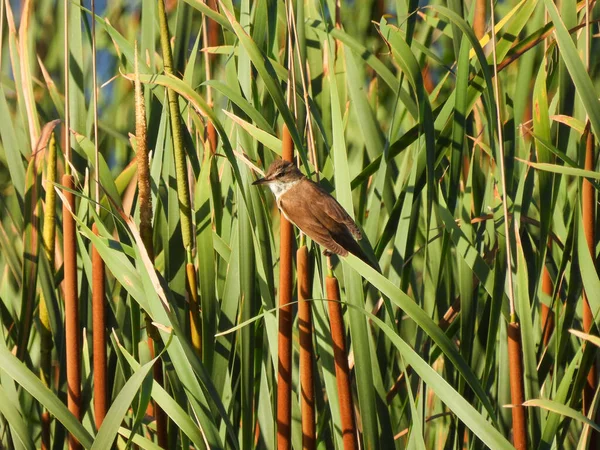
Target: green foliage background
point(404, 121)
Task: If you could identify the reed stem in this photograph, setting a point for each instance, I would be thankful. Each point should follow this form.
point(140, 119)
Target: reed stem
point(183, 188)
point(192, 288)
point(146, 233)
point(71, 305)
point(99, 334)
point(284, 370)
point(516, 386)
point(588, 203)
point(48, 237)
point(342, 371)
point(307, 390)
point(547, 316)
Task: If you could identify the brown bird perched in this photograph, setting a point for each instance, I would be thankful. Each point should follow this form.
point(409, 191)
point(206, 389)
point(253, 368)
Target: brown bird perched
point(316, 213)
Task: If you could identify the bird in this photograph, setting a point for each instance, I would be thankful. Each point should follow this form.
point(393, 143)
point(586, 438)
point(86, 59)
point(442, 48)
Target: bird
point(313, 210)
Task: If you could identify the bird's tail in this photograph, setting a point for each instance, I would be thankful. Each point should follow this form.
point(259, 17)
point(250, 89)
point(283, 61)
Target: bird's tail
point(365, 258)
point(353, 247)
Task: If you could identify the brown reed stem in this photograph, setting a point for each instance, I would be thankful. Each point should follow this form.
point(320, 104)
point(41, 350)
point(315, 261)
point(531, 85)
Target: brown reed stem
point(547, 316)
point(480, 19)
point(588, 203)
point(143, 164)
point(307, 390)
point(45, 435)
point(514, 335)
point(99, 334)
point(211, 134)
point(517, 396)
point(213, 30)
point(479, 25)
point(284, 370)
point(450, 315)
point(342, 372)
point(146, 233)
point(71, 305)
point(68, 150)
point(338, 24)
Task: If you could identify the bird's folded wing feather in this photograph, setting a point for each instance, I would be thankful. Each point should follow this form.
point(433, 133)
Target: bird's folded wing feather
point(306, 218)
point(330, 205)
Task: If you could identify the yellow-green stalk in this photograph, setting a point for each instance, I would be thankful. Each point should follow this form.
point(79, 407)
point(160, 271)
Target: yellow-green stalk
point(48, 236)
point(183, 190)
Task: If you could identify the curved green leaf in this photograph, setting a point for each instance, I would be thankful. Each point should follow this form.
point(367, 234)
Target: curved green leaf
point(413, 310)
point(16, 370)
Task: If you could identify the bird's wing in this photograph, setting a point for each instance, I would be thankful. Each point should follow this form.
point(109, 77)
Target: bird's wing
point(305, 218)
point(330, 205)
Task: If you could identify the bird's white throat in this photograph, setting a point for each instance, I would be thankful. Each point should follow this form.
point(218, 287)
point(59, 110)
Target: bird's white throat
point(278, 188)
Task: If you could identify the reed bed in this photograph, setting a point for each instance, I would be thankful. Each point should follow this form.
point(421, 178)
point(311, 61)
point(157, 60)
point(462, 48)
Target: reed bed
point(149, 294)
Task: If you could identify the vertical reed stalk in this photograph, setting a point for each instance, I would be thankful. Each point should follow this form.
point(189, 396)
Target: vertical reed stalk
point(210, 27)
point(99, 334)
point(212, 30)
point(211, 135)
point(192, 288)
point(98, 269)
point(71, 304)
point(516, 386)
point(284, 371)
point(480, 19)
point(479, 26)
point(547, 316)
point(143, 165)
point(70, 260)
point(183, 188)
point(48, 237)
point(589, 225)
point(146, 233)
point(342, 371)
point(307, 394)
point(95, 108)
point(67, 115)
point(515, 350)
point(589, 221)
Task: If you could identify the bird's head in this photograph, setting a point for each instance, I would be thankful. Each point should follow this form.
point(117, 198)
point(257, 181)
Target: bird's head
point(281, 172)
point(281, 176)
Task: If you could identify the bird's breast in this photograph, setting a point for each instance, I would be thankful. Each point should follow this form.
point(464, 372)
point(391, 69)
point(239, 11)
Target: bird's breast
point(291, 202)
point(279, 189)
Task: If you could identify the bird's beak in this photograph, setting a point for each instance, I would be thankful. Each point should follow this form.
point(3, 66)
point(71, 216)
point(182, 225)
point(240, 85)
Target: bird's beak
point(261, 181)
